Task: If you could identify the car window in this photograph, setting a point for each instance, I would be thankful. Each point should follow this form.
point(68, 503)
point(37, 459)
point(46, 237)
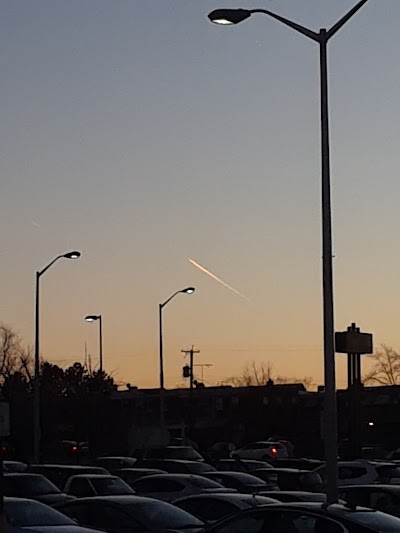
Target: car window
point(29, 513)
point(150, 484)
point(108, 517)
point(351, 472)
point(80, 487)
point(28, 485)
point(299, 522)
point(110, 485)
point(383, 501)
point(355, 497)
point(204, 483)
point(388, 471)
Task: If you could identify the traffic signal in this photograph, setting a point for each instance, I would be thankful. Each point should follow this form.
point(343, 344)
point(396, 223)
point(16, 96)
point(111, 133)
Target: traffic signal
point(186, 371)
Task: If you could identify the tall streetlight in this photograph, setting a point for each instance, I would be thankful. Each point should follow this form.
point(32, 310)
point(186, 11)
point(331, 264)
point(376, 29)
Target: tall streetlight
point(234, 16)
point(188, 290)
point(93, 318)
point(36, 384)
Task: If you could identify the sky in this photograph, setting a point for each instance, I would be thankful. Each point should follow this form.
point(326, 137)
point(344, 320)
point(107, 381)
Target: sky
point(142, 135)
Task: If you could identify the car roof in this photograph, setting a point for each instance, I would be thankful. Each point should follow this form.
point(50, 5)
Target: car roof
point(176, 476)
point(141, 470)
point(68, 467)
point(93, 476)
point(223, 496)
point(116, 498)
point(292, 470)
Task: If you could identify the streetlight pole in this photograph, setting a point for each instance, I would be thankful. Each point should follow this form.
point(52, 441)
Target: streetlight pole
point(93, 318)
point(234, 16)
point(188, 290)
point(36, 383)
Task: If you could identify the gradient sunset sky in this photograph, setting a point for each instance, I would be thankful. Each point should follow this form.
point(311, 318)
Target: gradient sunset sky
point(140, 134)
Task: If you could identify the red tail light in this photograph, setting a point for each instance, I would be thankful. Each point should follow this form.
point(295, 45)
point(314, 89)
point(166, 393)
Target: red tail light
point(74, 449)
point(274, 451)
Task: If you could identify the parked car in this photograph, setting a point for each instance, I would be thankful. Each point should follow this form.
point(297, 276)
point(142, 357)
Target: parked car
point(240, 465)
point(14, 466)
point(210, 508)
point(34, 487)
point(88, 485)
point(261, 451)
point(170, 487)
point(177, 466)
point(59, 474)
point(172, 452)
point(23, 515)
point(361, 472)
point(241, 481)
point(118, 514)
point(130, 475)
point(115, 463)
point(307, 517)
point(385, 498)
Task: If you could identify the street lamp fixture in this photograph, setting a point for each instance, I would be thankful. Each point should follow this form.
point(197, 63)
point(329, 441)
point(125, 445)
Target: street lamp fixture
point(36, 385)
point(93, 318)
point(187, 290)
point(228, 17)
point(234, 16)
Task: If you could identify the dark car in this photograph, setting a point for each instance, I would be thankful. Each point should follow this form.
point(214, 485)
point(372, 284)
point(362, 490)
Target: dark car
point(115, 463)
point(310, 517)
point(241, 481)
point(172, 452)
point(121, 514)
point(88, 485)
point(294, 479)
point(385, 498)
point(177, 466)
point(34, 487)
point(59, 474)
point(210, 508)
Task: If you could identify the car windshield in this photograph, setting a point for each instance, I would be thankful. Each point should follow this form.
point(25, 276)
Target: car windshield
point(30, 485)
point(111, 485)
point(161, 515)
point(28, 513)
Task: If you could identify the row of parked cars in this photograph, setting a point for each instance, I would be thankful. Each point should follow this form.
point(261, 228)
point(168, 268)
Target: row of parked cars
point(156, 494)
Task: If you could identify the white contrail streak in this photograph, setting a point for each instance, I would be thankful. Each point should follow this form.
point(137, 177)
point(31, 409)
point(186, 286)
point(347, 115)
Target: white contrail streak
point(213, 276)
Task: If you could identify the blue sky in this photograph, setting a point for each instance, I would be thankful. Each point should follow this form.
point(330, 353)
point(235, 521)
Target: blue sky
point(141, 134)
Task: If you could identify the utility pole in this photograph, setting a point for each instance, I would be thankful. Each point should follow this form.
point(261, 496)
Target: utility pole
point(191, 353)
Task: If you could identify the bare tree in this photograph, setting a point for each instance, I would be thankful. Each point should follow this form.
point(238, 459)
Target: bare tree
point(386, 367)
point(254, 374)
point(14, 357)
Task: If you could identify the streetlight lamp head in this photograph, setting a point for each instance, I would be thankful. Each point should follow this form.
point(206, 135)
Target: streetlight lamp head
point(72, 255)
point(189, 290)
point(91, 318)
point(227, 17)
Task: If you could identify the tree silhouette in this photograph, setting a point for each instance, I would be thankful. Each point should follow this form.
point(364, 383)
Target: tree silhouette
point(386, 367)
